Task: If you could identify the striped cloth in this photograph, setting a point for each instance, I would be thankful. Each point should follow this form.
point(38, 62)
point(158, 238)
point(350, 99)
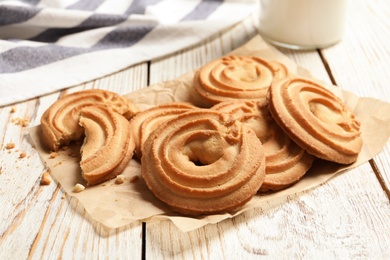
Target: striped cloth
point(49, 45)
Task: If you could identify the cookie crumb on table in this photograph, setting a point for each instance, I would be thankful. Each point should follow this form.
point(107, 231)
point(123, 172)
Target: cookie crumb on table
point(134, 179)
point(78, 188)
point(119, 179)
point(53, 155)
point(10, 146)
point(46, 178)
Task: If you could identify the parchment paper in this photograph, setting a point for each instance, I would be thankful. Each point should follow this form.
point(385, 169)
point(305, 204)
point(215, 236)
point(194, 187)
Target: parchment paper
point(116, 205)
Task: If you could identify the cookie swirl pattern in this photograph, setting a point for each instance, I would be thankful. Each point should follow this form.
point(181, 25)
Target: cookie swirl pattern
point(108, 145)
point(203, 162)
point(148, 120)
point(316, 119)
point(235, 77)
point(60, 121)
point(286, 162)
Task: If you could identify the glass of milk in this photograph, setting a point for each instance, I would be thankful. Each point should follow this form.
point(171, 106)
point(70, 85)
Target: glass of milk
point(302, 24)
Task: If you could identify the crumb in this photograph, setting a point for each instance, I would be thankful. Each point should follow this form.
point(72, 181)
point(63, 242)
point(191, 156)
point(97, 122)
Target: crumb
point(1, 169)
point(64, 148)
point(78, 188)
point(13, 110)
point(46, 178)
point(10, 146)
point(119, 179)
point(63, 196)
point(134, 179)
point(20, 121)
point(104, 184)
point(22, 155)
point(53, 155)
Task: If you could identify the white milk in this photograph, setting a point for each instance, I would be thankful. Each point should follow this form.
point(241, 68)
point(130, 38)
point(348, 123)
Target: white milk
point(302, 24)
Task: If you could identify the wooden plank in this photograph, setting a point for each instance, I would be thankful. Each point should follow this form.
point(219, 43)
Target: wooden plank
point(325, 222)
point(22, 197)
point(361, 62)
point(39, 222)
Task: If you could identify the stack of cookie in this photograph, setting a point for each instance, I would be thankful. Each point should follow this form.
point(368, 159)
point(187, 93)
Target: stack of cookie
point(253, 126)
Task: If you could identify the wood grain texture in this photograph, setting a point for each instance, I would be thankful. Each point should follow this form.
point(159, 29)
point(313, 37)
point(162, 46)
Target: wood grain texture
point(342, 219)
point(40, 222)
point(360, 62)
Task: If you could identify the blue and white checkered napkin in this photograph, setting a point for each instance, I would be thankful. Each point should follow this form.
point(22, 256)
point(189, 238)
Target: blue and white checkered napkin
point(47, 45)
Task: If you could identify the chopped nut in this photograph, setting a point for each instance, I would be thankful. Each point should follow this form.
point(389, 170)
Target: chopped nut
point(13, 109)
point(119, 179)
point(22, 155)
point(10, 146)
point(134, 179)
point(78, 188)
point(46, 178)
point(53, 155)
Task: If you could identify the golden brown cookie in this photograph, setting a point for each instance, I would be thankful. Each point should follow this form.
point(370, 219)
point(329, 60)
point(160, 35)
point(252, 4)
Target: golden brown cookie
point(285, 162)
point(316, 119)
point(235, 77)
point(60, 121)
point(148, 120)
point(108, 144)
point(203, 162)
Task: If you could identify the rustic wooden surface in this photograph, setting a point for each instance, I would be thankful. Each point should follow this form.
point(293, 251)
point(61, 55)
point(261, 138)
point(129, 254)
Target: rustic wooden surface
point(345, 218)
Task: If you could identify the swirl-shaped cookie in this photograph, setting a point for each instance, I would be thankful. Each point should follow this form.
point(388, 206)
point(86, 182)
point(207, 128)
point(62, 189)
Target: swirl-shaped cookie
point(235, 77)
point(60, 121)
point(316, 119)
point(203, 162)
point(148, 120)
point(108, 145)
point(285, 162)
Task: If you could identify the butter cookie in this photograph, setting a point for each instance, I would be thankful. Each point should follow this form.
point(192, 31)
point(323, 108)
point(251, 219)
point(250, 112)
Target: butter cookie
point(60, 123)
point(235, 77)
point(108, 145)
point(285, 162)
point(316, 119)
point(203, 162)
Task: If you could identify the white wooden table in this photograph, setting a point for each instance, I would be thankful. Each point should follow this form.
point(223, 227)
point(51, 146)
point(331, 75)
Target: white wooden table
point(345, 218)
